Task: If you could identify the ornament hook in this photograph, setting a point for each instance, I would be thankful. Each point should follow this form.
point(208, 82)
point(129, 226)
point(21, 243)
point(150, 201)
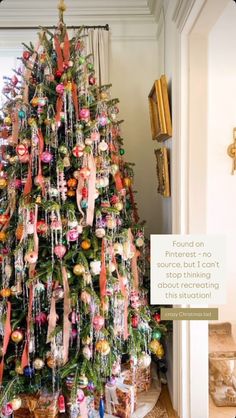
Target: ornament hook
point(62, 8)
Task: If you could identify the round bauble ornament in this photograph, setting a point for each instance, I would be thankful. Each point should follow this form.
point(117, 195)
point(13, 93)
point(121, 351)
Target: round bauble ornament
point(135, 321)
point(156, 334)
point(3, 183)
point(119, 206)
point(103, 146)
point(95, 136)
point(41, 318)
point(84, 114)
point(78, 269)
point(58, 293)
point(104, 95)
point(103, 120)
point(84, 204)
point(80, 395)
point(42, 227)
point(122, 151)
point(46, 157)
point(85, 244)
point(60, 250)
point(72, 183)
point(100, 232)
point(6, 292)
point(29, 372)
point(157, 317)
point(95, 267)
point(85, 297)
point(7, 121)
point(78, 151)
point(51, 362)
point(31, 257)
point(87, 353)
point(144, 360)
point(92, 80)
point(7, 410)
point(60, 88)
point(17, 336)
point(19, 369)
point(82, 381)
point(4, 218)
point(21, 150)
point(16, 403)
point(72, 235)
point(160, 352)
point(26, 55)
point(88, 141)
point(98, 322)
point(63, 150)
point(154, 345)
point(38, 363)
point(21, 114)
point(71, 193)
point(103, 347)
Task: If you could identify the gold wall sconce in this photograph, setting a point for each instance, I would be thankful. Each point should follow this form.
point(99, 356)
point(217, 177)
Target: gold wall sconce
point(231, 151)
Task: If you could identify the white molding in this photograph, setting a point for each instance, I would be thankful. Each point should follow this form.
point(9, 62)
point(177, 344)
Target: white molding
point(155, 7)
point(182, 11)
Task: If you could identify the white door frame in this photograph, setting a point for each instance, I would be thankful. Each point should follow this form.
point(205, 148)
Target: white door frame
point(193, 22)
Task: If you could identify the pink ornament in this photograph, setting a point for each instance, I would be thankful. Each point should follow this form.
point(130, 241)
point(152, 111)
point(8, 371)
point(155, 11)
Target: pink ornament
point(80, 395)
point(14, 80)
point(78, 151)
point(98, 322)
point(85, 297)
point(46, 157)
point(72, 235)
point(73, 333)
point(95, 136)
point(21, 150)
point(92, 80)
point(41, 318)
point(7, 410)
point(84, 114)
point(56, 225)
point(39, 180)
point(60, 250)
point(60, 88)
point(103, 120)
point(31, 257)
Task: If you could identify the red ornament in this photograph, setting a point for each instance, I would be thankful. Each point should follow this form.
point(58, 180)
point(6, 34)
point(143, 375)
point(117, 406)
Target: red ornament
point(135, 321)
point(58, 73)
point(61, 404)
point(157, 317)
point(21, 150)
point(41, 318)
point(26, 55)
point(42, 227)
point(92, 80)
point(78, 151)
point(84, 192)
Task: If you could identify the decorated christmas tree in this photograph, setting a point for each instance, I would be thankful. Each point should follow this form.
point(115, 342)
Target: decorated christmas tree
point(72, 250)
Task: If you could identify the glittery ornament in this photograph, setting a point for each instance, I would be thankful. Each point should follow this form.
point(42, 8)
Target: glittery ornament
point(29, 371)
point(103, 347)
point(78, 269)
point(60, 88)
point(100, 232)
point(17, 336)
point(144, 360)
point(156, 335)
point(84, 114)
point(154, 345)
point(72, 235)
point(46, 157)
point(60, 250)
point(38, 363)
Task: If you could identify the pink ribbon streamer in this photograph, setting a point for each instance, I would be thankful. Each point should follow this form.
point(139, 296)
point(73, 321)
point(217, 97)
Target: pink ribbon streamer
point(66, 322)
point(7, 334)
point(134, 264)
point(83, 408)
point(91, 190)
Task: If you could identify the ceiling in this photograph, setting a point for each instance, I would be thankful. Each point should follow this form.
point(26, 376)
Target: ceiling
point(32, 12)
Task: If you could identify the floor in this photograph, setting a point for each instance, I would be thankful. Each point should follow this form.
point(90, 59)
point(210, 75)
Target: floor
point(221, 412)
point(165, 402)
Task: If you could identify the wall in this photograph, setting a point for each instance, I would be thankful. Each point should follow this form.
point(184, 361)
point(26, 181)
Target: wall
point(221, 185)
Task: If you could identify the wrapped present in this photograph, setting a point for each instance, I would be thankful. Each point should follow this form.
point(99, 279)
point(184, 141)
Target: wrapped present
point(137, 376)
point(83, 408)
point(120, 399)
point(47, 406)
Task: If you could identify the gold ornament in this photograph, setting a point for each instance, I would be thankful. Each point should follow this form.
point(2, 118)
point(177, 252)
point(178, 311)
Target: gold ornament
point(19, 369)
point(154, 346)
point(17, 336)
point(103, 347)
point(3, 183)
point(3, 236)
point(5, 293)
point(79, 269)
point(86, 340)
point(160, 352)
point(7, 120)
point(86, 244)
point(127, 182)
point(38, 364)
point(51, 362)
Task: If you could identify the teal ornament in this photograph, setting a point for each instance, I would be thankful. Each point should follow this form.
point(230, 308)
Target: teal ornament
point(122, 151)
point(84, 204)
point(21, 114)
point(156, 335)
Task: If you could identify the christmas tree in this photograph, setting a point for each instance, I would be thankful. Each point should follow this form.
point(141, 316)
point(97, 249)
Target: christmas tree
point(71, 245)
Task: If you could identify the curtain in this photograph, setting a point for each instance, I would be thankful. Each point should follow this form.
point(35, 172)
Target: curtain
point(97, 43)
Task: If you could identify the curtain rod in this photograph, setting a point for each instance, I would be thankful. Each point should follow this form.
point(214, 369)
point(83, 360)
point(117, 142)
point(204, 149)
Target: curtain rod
point(105, 27)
